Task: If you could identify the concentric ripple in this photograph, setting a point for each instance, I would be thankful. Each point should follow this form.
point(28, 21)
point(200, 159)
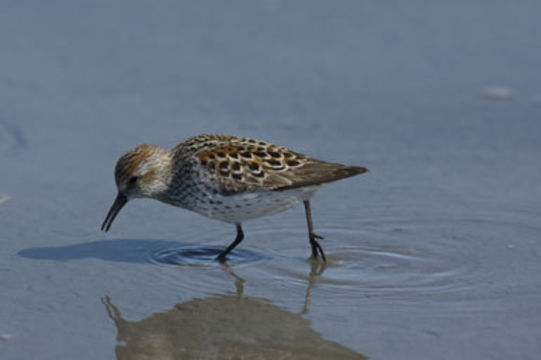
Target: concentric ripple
point(11, 137)
point(461, 260)
point(197, 255)
point(423, 259)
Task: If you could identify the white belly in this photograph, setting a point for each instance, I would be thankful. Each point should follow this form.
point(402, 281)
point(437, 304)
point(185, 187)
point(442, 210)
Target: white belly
point(241, 207)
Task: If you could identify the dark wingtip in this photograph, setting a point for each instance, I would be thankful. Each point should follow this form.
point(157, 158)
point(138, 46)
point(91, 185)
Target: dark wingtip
point(321, 173)
point(361, 169)
point(348, 171)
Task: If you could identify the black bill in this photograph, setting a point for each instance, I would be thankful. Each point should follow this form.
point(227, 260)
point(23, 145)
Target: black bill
point(119, 203)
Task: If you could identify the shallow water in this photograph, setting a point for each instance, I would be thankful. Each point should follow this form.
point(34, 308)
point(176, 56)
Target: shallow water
point(433, 254)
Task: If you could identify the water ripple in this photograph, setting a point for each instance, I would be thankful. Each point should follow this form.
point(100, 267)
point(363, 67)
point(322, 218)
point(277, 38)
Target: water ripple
point(441, 258)
point(196, 255)
point(11, 137)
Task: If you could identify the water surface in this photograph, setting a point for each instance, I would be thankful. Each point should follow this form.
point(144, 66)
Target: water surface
point(433, 254)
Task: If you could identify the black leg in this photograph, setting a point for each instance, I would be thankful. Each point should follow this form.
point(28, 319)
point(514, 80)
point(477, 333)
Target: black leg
point(316, 248)
point(238, 239)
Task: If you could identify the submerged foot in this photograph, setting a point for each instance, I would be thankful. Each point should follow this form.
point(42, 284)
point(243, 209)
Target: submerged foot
point(222, 258)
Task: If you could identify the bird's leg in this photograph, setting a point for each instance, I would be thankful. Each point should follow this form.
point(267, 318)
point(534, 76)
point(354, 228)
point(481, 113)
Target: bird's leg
point(316, 248)
point(238, 239)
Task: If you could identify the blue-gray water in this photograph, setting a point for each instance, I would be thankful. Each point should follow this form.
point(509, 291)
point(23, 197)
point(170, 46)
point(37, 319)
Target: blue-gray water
point(433, 254)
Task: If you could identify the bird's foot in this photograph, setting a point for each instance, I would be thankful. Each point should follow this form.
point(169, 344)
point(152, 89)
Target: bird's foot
point(317, 250)
point(221, 258)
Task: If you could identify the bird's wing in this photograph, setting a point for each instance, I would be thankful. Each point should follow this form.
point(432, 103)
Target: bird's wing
point(241, 166)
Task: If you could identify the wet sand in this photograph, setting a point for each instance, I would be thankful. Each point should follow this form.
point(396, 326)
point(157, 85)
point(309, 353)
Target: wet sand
point(433, 254)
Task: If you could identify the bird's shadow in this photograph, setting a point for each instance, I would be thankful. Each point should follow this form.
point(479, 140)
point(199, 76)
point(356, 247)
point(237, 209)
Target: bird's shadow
point(139, 251)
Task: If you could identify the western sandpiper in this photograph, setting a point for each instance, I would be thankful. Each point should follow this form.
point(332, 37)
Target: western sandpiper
point(227, 178)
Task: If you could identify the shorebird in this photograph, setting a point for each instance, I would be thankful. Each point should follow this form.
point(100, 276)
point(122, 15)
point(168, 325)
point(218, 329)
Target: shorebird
point(226, 178)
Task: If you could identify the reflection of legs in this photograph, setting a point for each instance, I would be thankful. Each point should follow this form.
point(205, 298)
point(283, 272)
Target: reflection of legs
point(238, 239)
point(112, 310)
point(316, 248)
point(316, 268)
point(239, 282)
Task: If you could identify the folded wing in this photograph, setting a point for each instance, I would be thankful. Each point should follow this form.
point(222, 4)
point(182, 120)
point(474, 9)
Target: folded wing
point(239, 166)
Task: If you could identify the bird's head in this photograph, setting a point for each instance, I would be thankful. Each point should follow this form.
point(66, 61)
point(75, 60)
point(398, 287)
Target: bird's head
point(140, 173)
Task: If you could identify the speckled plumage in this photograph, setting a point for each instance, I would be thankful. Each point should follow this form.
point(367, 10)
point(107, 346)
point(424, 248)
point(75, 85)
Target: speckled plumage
point(227, 178)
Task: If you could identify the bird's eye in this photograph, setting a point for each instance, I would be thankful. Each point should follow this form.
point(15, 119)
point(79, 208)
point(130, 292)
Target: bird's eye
point(133, 180)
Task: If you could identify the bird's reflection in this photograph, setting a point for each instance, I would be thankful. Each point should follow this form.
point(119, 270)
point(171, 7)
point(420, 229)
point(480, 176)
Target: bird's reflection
point(316, 269)
point(239, 282)
point(224, 327)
